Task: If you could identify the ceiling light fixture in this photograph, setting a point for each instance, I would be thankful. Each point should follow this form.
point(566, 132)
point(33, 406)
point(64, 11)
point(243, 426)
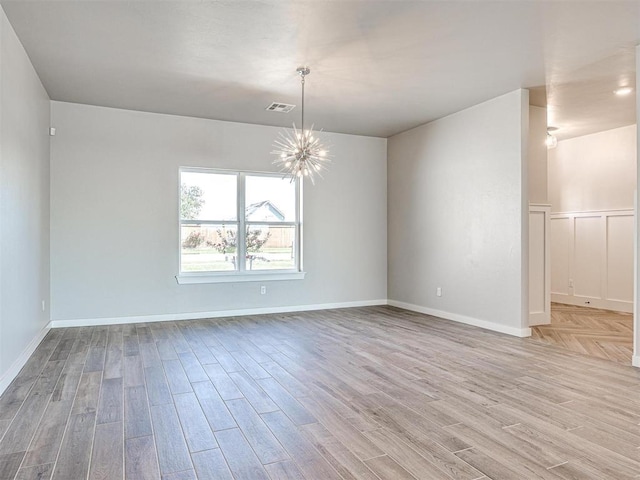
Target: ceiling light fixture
point(300, 154)
point(551, 141)
point(622, 91)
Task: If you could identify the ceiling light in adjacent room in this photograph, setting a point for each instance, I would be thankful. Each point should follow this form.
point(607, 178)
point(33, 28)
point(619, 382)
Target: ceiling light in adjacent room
point(551, 141)
point(300, 153)
point(622, 91)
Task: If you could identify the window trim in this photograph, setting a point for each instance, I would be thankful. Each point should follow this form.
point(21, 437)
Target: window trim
point(241, 274)
point(190, 278)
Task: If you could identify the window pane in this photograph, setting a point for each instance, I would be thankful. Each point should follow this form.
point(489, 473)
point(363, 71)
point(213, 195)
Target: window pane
point(208, 196)
point(270, 199)
point(208, 248)
point(270, 247)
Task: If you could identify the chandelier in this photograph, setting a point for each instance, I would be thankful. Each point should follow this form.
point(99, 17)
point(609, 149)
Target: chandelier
point(300, 153)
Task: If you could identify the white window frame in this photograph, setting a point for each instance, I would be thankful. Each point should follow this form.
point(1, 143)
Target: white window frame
point(241, 274)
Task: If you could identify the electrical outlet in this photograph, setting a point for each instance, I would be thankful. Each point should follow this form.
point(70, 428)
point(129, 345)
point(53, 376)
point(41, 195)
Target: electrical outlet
point(571, 283)
point(43, 306)
point(263, 290)
point(438, 292)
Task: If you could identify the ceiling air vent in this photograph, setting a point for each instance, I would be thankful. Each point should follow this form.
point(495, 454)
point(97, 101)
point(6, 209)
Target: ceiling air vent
point(280, 107)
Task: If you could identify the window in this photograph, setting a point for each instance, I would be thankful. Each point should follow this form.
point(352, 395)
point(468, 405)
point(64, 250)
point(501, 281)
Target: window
point(238, 226)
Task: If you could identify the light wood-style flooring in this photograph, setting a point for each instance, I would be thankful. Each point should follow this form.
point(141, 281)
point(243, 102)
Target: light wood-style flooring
point(591, 331)
point(366, 393)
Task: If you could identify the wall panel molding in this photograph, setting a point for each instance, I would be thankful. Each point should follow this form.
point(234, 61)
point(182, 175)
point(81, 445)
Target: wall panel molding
point(539, 265)
point(593, 259)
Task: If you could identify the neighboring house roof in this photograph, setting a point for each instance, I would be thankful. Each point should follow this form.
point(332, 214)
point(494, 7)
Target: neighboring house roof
point(264, 210)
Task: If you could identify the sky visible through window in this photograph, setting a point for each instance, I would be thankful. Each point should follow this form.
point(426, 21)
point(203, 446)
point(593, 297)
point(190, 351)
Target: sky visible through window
point(219, 194)
point(280, 192)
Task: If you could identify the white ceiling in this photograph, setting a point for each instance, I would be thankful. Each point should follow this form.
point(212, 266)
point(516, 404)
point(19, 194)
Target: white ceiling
point(377, 67)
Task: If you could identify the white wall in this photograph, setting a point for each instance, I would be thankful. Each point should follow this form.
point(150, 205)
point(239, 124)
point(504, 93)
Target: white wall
point(458, 215)
point(537, 155)
point(114, 225)
point(593, 172)
point(24, 205)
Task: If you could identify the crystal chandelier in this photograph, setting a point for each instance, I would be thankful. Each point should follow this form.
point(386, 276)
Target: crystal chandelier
point(300, 153)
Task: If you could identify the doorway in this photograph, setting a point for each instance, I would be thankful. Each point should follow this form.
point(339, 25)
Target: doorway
point(591, 185)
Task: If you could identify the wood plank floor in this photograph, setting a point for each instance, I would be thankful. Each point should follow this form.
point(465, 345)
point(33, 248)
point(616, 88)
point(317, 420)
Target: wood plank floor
point(366, 393)
point(591, 331)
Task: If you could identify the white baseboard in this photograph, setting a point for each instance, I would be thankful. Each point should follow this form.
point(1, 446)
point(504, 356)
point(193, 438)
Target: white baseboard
point(635, 361)
point(496, 327)
point(171, 317)
point(17, 365)
point(602, 303)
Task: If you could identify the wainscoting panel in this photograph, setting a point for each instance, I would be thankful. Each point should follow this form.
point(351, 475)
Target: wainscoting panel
point(592, 259)
point(561, 236)
point(620, 258)
point(588, 256)
point(539, 265)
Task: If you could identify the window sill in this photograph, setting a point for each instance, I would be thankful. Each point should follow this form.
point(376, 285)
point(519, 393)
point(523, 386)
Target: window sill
point(189, 279)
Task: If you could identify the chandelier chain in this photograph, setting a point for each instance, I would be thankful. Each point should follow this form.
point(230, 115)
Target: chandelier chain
point(303, 73)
